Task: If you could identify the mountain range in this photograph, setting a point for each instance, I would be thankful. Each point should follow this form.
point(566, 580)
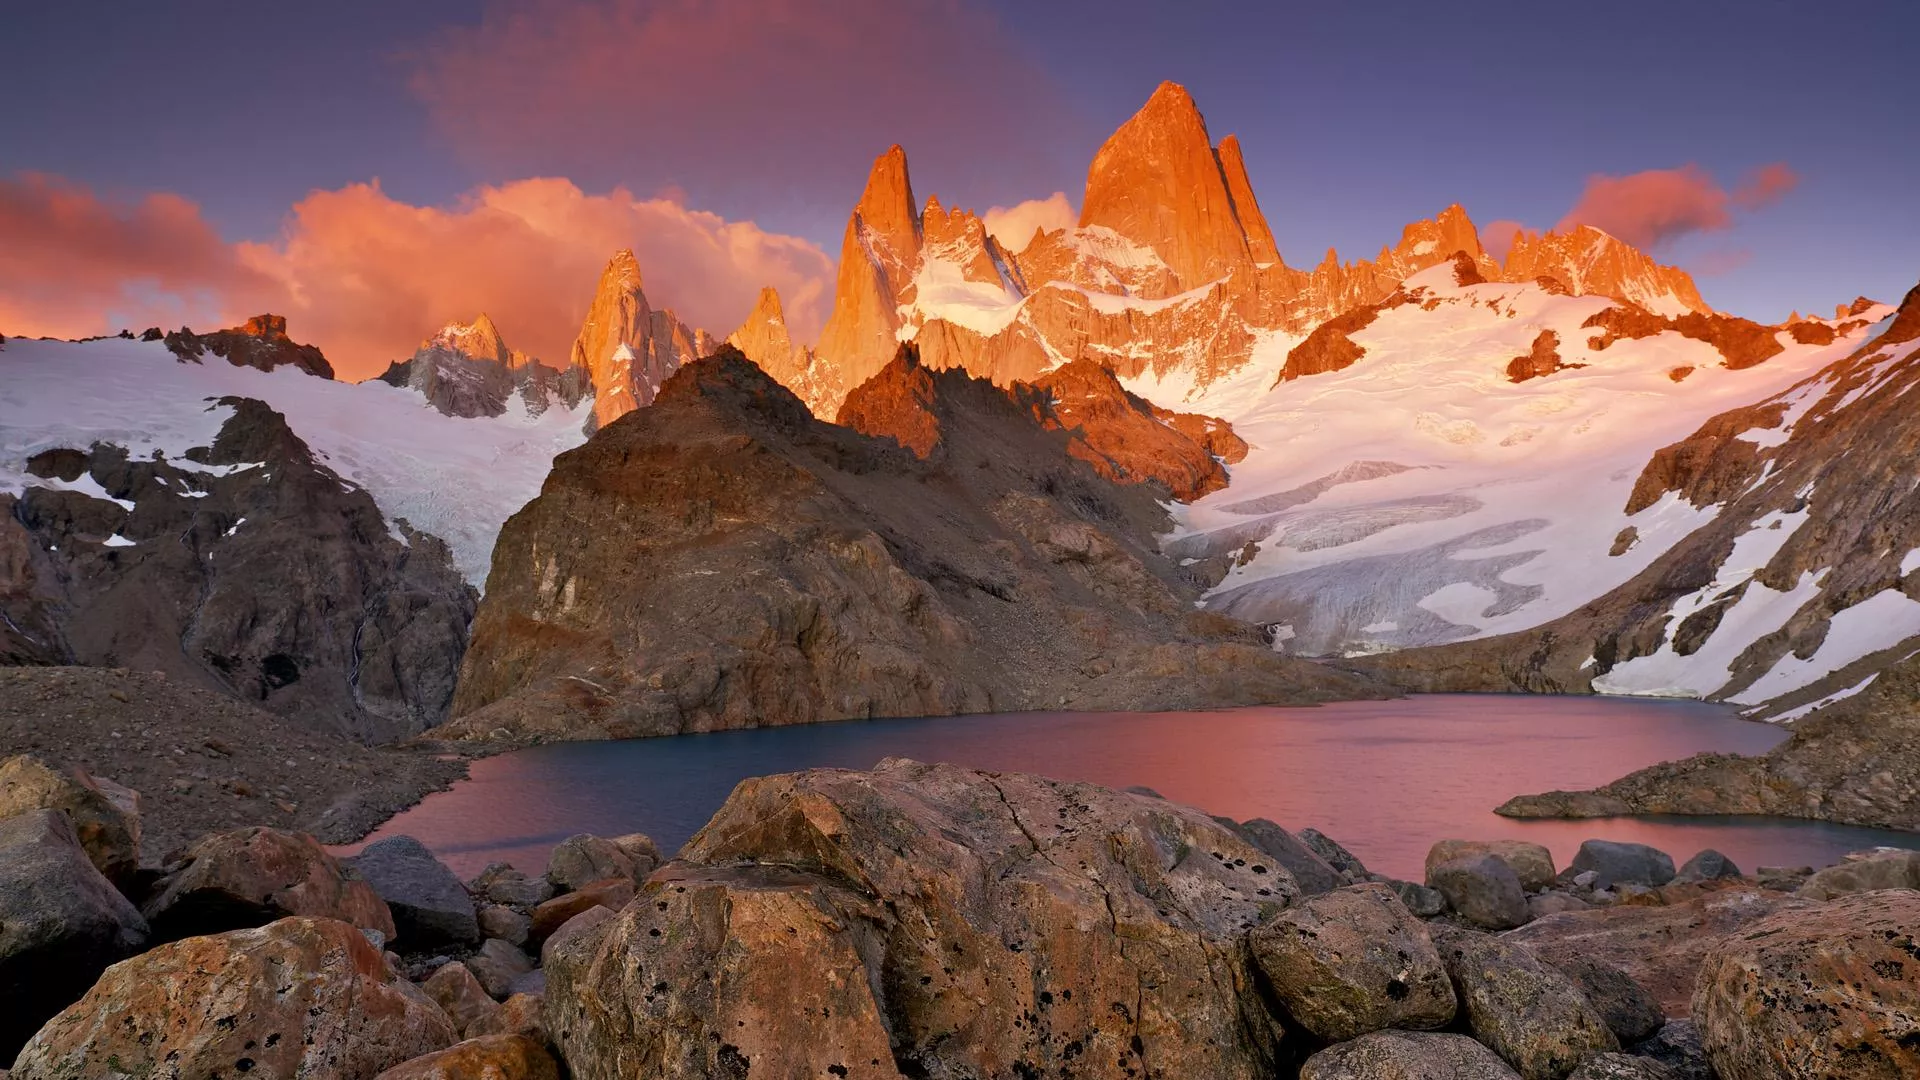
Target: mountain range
point(1140, 462)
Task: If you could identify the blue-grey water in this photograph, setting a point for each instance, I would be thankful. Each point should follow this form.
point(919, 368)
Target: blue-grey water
point(1386, 779)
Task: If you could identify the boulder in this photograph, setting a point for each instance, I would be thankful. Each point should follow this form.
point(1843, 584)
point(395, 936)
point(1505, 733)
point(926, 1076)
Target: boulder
point(1660, 948)
point(1553, 902)
point(1832, 990)
point(1523, 1009)
point(61, 922)
point(1354, 960)
point(1677, 1046)
point(932, 920)
point(430, 907)
point(583, 859)
point(500, 921)
point(582, 923)
point(1622, 1067)
point(453, 987)
point(502, 884)
point(489, 1057)
point(1630, 1012)
point(1622, 864)
point(1708, 865)
point(1782, 878)
point(497, 965)
point(1312, 872)
point(1406, 1055)
point(1865, 871)
point(642, 850)
point(1422, 901)
point(250, 877)
point(1531, 863)
point(1335, 856)
point(1482, 889)
point(106, 816)
point(302, 997)
point(518, 1015)
point(612, 894)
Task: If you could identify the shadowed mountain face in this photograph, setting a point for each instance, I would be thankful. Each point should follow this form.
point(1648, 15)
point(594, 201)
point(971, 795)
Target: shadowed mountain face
point(748, 565)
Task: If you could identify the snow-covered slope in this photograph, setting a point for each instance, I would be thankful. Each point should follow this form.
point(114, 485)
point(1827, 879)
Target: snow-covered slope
point(1421, 495)
point(454, 477)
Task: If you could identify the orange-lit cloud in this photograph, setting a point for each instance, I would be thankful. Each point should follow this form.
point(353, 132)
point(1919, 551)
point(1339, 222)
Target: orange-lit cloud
point(365, 276)
point(73, 263)
point(1497, 237)
point(1014, 225)
point(1647, 209)
point(779, 101)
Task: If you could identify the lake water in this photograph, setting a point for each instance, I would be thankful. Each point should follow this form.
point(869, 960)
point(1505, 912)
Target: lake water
point(1386, 779)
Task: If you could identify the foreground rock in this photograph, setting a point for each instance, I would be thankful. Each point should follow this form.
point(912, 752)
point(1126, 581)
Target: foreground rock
point(61, 922)
point(490, 1057)
point(1615, 863)
point(581, 860)
point(1531, 863)
point(1017, 925)
point(430, 907)
point(1483, 889)
point(1404, 1055)
point(245, 878)
point(1630, 1012)
point(1526, 1011)
point(1660, 948)
point(1864, 871)
point(307, 998)
point(1353, 961)
point(1827, 991)
point(105, 816)
point(832, 575)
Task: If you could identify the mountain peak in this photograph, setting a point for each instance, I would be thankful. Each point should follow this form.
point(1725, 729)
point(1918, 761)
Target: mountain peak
point(886, 207)
point(1159, 183)
point(1592, 261)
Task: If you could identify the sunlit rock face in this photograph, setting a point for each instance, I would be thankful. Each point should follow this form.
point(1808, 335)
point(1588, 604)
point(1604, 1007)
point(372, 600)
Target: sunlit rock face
point(626, 346)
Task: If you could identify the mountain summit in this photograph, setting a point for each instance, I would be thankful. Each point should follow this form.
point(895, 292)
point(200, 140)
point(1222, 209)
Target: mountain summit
point(626, 346)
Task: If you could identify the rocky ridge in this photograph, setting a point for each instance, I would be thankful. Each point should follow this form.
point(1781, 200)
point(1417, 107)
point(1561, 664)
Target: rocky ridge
point(626, 346)
point(754, 566)
point(467, 369)
point(261, 343)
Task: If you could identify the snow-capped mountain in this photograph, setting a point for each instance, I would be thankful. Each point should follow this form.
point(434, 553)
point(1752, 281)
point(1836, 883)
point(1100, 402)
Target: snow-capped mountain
point(466, 369)
point(626, 346)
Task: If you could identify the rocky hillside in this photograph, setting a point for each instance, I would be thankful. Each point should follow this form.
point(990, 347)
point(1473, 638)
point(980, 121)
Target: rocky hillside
point(1795, 587)
point(746, 564)
point(246, 566)
point(466, 369)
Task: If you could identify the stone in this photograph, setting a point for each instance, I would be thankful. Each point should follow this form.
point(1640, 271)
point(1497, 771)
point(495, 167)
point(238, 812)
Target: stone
point(1630, 1012)
point(613, 894)
point(1352, 961)
point(301, 997)
point(502, 884)
point(430, 907)
point(1312, 872)
point(1623, 864)
point(1421, 900)
point(1621, 1067)
point(1677, 1046)
point(250, 877)
point(1782, 878)
point(1531, 863)
point(1523, 1009)
point(61, 922)
point(1553, 902)
point(453, 987)
point(579, 924)
point(520, 1014)
point(1335, 856)
point(497, 965)
point(105, 816)
point(1831, 990)
point(488, 1057)
point(642, 850)
point(1864, 871)
point(1481, 889)
point(1406, 1055)
point(1660, 948)
point(582, 859)
point(1016, 924)
point(1708, 865)
point(505, 923)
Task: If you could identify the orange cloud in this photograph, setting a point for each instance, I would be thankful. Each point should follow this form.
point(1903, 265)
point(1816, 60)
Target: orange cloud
point(1014, 225)
point(74, 264)
point(1497, 237)
point(782, 102)
point(365, 276)
point(1647, 209)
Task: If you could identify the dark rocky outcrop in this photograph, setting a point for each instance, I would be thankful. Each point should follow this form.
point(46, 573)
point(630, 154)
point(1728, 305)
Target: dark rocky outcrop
point(750, 565)
point(468, 370)
point(262, 343)
point(1525, 1010)
point(430, 907)
point(1541, 360)
point(247, 567)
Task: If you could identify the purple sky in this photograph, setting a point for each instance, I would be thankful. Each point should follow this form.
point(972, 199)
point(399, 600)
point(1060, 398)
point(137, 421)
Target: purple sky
point(1355, 118)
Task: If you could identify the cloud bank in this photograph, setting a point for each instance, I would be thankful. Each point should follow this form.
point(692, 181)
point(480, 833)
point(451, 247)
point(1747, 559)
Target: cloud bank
point(1014, 225)
point(1655, 207)
point(366, 276)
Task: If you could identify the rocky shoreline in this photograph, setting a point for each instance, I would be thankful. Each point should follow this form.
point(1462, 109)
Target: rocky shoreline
point(933, 921)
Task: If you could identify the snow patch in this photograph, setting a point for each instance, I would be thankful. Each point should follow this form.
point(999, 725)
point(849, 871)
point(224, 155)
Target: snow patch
point(1881, 621)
